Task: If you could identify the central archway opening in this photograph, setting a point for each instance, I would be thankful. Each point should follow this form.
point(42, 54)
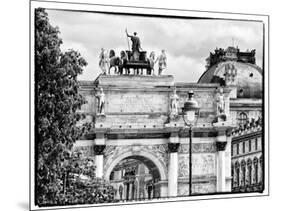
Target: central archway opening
point(135, 178)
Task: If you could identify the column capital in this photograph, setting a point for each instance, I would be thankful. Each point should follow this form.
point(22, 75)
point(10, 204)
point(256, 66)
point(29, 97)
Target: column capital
point(220, 145)
point(173, 147)
point(99, 149)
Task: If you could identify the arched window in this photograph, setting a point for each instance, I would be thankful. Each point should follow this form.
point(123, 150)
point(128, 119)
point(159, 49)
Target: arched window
point(256, 170)
point(237, 174)
point(242, 119)
point(249, 168)
point(111, 177)
point(261, 170)
point(243, 173)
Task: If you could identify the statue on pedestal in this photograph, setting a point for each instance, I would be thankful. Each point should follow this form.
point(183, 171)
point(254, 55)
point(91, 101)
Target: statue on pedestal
point(103, 61)
point(101, 101)
point(174, 103)
point(162, 62)
point(220, 103)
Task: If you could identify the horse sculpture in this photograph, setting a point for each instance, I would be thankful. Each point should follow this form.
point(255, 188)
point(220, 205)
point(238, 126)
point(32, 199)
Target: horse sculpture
point(114, 62)
point(124, 63)
point(124, 60)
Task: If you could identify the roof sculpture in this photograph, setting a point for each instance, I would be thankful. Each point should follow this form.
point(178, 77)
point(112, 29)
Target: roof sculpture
point(236, 68)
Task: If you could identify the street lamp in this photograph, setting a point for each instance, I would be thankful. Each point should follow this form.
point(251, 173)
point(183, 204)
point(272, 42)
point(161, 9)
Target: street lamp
point(189, 115)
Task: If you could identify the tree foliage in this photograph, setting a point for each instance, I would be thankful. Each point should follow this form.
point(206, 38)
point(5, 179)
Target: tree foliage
point(56, 103)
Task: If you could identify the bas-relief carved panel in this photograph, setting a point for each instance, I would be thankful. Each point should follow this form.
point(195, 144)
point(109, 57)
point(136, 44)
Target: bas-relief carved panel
point(159, 151)
point(137, 102)
point(202, 164)
point(183, 189)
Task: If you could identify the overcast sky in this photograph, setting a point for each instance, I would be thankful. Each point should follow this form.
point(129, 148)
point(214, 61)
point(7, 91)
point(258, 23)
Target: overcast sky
point(187, 42)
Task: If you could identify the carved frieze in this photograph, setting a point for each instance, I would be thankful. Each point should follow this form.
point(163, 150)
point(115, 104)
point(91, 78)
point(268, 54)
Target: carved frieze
point(198, 148)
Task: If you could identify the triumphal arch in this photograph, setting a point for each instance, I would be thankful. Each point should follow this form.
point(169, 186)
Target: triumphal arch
point(140, 143)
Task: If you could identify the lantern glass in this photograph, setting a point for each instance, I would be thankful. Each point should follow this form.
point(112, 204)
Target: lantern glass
point(190, 115)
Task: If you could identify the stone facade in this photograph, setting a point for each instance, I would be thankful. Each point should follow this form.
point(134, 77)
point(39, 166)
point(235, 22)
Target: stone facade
point(136, 125)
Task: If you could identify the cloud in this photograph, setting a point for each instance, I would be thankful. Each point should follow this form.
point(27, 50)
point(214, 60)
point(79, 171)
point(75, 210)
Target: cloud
point(187, 42)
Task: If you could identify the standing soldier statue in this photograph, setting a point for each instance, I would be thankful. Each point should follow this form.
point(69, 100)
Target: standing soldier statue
point(136, 45)
point(162, 62)
point(221, 112)
point(101, 101)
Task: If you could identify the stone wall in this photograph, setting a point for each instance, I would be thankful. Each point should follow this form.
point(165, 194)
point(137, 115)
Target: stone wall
point(137, 123)
point(146, 100)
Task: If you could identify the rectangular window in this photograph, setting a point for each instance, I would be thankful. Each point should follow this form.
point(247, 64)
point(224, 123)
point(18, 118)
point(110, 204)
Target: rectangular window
point(250, 145)
point(237, 149)
point(243, 147)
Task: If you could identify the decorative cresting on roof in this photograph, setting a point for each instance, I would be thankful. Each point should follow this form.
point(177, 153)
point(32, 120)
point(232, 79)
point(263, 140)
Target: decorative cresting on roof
point(231, 67)
point(248, 128)
point(230, 54)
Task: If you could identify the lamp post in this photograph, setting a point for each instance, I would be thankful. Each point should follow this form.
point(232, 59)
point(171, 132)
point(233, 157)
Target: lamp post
point(189, 116)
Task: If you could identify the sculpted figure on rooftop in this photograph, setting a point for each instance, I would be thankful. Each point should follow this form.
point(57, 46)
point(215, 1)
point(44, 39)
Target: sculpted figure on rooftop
point(103, 61)
point(162, 62)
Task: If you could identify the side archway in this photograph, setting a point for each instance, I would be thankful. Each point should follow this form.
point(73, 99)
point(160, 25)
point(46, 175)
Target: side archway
point(147, 158)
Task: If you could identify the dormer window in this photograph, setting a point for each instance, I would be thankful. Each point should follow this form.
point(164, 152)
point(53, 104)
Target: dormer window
point(242, 119)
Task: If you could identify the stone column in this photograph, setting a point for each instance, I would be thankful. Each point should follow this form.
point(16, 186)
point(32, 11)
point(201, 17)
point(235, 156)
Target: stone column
point(131, 191)
point(98, 150)
point(128, 191)
point(125, 191)
point(220, 145)
point(173, 169)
